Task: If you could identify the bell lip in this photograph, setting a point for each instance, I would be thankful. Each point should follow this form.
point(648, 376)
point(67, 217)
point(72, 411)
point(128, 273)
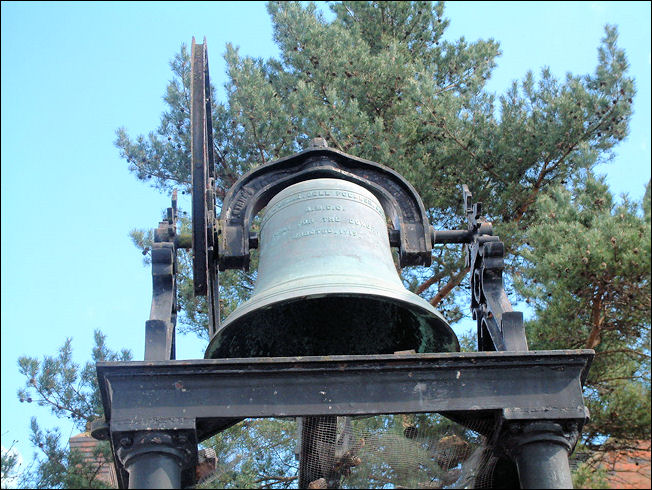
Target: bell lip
point(426, 311)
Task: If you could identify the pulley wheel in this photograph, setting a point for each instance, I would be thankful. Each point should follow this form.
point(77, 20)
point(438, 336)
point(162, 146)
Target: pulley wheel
point(203, 172)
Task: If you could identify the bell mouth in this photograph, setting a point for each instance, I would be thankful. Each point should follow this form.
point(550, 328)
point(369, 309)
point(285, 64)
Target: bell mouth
point(333, 324)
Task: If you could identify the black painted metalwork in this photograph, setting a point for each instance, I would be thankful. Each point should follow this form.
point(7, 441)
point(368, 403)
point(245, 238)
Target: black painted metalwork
point(540, 451)
point(499, 327)
point(155, 459)
point(253, 191)
point(203, 397)
point(501, 386)
point(521, 386)
point(204, 228)
point(158, 399)
point(160, 328)
point(158, 410)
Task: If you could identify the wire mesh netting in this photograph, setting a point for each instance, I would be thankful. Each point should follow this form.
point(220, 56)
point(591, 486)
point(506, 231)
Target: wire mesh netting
point(388, 451)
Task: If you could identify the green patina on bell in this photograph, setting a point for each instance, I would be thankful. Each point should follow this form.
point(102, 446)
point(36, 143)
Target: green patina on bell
point(327, 283)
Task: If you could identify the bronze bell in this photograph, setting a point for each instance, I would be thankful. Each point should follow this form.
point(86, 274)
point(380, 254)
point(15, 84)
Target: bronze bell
point(327, 283)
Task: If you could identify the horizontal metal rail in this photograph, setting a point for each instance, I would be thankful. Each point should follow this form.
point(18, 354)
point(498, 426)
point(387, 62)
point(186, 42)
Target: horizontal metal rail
point(180, 394)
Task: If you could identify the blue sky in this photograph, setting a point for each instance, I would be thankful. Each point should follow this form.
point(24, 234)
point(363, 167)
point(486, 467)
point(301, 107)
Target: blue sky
point(72, 73)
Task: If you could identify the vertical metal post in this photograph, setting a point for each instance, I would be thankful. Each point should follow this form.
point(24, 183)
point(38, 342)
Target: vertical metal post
point(540, 451)
point(154, 470)
point(543, 464)
point(155, 459)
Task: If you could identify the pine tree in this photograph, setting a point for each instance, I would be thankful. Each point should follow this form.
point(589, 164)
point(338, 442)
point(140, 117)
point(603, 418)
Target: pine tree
point(59, 384)
point(9, 466)
point(381, 82)
point(586, 272)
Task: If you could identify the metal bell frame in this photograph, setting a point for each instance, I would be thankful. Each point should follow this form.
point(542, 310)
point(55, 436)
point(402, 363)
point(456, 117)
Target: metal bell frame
point(158, 410)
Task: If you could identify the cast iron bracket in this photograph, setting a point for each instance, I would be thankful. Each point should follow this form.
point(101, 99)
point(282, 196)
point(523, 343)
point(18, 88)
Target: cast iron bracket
point(499, 327)
point(253, 191)
point(160, 328)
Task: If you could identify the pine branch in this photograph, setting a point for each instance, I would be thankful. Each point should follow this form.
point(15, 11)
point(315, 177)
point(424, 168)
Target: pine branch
point(258, 144)
point(58, 405)
point(545, 170)
point(619, 378)
point(537, 186)
point(331, 135)
point(425, 285)
point(623, 351)
point(533, 195)
point(596, 321)
point(452, 136)
point(160, 175)
point(267, 480)
point(452, 282)
point(469, 72)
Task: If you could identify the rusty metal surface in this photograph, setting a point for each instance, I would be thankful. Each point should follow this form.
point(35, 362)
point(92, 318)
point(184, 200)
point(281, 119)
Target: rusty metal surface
point(180, 394)
point(203, 183)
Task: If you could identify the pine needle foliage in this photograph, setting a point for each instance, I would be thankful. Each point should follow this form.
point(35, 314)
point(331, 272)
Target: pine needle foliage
point(587, 276)
point(383, 81)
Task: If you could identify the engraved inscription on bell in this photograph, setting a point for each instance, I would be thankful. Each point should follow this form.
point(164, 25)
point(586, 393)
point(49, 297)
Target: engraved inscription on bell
point(325, 232)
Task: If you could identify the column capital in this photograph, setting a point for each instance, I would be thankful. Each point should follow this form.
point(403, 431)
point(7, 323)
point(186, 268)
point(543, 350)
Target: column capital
point(515, 435)
point(156, 458)
point(175, 443)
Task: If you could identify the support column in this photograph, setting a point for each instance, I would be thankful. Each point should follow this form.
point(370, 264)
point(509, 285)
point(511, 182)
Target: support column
point(155, 459)
point(540, 451)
